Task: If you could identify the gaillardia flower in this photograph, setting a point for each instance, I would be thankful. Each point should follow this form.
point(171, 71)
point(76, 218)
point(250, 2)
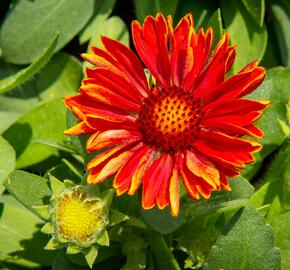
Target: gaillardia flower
point(185, 122)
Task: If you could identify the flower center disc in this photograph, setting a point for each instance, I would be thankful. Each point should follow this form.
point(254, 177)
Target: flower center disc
point(170, 119)
point(77, 221)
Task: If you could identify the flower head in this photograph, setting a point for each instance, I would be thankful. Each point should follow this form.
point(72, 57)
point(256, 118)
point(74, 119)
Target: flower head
point(185, 123)
point(77, 217)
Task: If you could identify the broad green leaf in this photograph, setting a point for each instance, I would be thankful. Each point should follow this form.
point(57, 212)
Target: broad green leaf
point(29, 189)
point(102, 12)
point(136, 261)
point(246, 244)
point(272, 56)
point(257, 10)
point(7, 160)
point(215, 22)
point(275, 191)
point(7, 119)
point(113, 28)
point(161, 220)
point(275, 88)
point(62, 262)
point(281, 230)
point(162, 254)
point(202, 11)
point(21, 241)
point(206, 218)
point(251, 39)
point(151, 7)
point(22, 41)
point(60, 77)
point(117, 217)
point(281, 19)
point(13, 81)
point(16, 224)
point(285, 259)
point(37, 124)
point(222, 201)
point(103, 254)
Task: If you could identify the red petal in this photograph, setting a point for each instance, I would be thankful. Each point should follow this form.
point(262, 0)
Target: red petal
point(201, 46)
point(106, 155)
point(237, 120)
point(238, 85)
point(111, 138)
point(128, 63)
point(158, 172)
point(231, 150)
point(224, 183)
point(124, 177)
point(174, 191)
point(151, 44)
point(235, 107)
point(114, 82)
point(142, 167)
point(197, 183)
point(79, 129)
point(203, 168)
point(110, 165)
point(214, 74)
point(180, 49)
point(190, 188)
point(234, 130)
point(106, 96)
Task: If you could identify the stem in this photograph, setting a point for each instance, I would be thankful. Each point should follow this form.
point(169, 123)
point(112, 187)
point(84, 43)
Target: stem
point(162, 254)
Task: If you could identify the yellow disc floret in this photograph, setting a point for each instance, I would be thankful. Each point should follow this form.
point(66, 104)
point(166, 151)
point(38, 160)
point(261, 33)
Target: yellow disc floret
point(78, 219)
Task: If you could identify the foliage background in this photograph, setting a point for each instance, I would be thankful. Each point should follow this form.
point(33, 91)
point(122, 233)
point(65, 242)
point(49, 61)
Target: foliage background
point(40, 42)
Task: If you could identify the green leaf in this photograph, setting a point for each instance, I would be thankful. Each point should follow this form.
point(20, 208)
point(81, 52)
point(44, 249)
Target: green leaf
point(162, 254)
point(281, 232)
point(62, 262)
point(246, 243)
point(25, 74)
point(215, 22)
point(281, 18)
point(19, 230)
point(285, 259)
point(7, 160)
point(161, 220)
point(103, 239)
point(222, 201)
point(251, 39)
point(23, 40)
point(257, 10)
point(136, 261)
point(151, 7)
point(202, 11)
point(91, 255)
point(117, 217)
point(37, 124)
point(275, 191)
point(29, 189)
point(16, 224)
point(102, 12)
point(60, 77)
point(114, 28)
point(275, 88)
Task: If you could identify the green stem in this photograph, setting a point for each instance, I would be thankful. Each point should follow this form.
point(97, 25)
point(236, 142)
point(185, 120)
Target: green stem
point(162, 254)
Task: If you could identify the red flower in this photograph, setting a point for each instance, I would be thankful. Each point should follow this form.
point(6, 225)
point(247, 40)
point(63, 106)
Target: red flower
point(186, 123)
